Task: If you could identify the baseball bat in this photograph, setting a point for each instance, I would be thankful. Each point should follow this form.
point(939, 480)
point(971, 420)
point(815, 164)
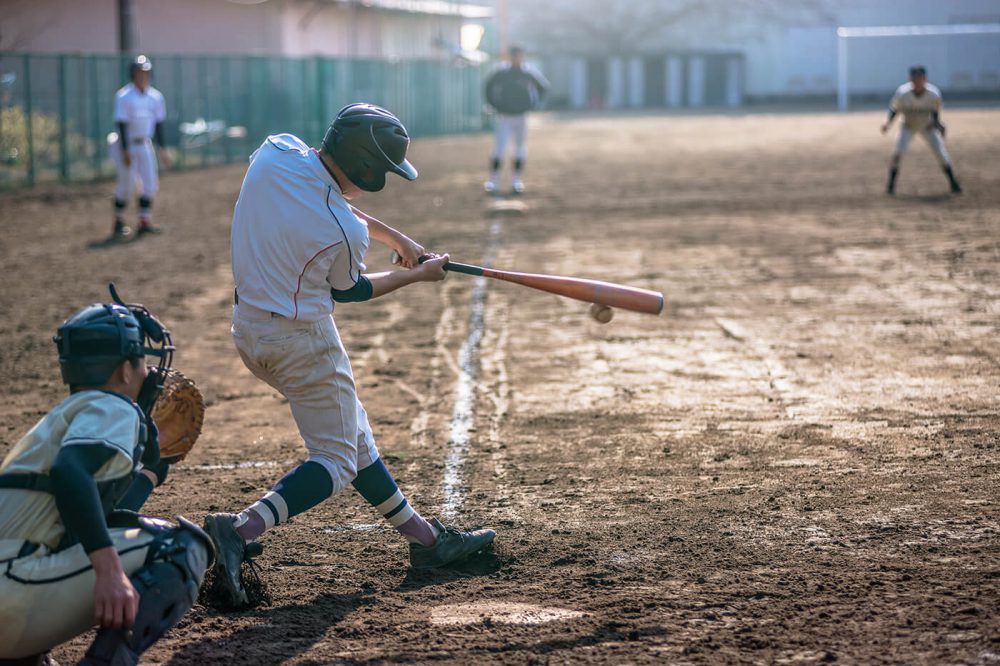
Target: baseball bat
point(581, 289)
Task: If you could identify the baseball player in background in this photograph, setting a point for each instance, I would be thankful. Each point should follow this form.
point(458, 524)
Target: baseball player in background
point(70, 559)
point(512, 90)
point(139, 115)
point(298, 247)
point(919, 102)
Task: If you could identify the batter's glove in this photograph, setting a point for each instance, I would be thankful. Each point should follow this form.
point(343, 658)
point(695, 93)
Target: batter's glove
point(940, 128)
point(178, 413)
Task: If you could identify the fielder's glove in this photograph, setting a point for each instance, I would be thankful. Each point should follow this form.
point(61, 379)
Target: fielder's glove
point(178, 413)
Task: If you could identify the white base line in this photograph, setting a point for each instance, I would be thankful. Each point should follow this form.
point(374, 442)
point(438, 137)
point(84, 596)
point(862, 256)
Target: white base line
point(463, 415)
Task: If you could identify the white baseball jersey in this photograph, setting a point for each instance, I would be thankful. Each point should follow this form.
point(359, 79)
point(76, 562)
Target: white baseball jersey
point(86, 417)
point(916, 109)
point(139, 110)
point(294, 236)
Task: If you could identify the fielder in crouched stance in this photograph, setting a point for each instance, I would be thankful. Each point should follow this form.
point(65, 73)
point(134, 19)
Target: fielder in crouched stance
point(920, 105)
point(69, 559)
point(298, 247)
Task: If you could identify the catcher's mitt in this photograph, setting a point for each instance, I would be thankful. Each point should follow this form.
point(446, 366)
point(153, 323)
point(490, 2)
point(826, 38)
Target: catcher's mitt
point(178, 413)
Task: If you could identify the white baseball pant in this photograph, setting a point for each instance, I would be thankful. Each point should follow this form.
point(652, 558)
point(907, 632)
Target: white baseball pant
point(143, 169)
point(510, 127)
point(48, 598)
point(933, 138)
point(307, 363)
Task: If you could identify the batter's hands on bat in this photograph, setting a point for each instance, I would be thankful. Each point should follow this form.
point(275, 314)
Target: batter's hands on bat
point(885, 127)
point(431, 268)
point(115, 599)
point(409, 251)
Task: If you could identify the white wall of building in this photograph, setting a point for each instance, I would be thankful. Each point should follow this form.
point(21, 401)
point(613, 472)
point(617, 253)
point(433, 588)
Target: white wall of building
point(196, 27)
point(802, 59)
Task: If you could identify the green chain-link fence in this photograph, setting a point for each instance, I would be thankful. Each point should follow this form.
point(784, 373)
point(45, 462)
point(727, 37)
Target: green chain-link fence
point(56, 111)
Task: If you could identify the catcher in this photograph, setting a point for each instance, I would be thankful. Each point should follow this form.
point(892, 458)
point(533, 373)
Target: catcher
point(71, 560)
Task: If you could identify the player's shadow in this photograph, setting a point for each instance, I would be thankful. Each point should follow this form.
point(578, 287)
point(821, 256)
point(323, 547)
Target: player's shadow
point(107, 243)
point(278, 634)
point(485, 563)
point(926, 198)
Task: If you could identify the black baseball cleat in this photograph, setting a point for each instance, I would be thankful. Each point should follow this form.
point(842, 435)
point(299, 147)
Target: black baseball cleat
point(956, 188)
point(230, 551)
point(453, 545)
point(120, 232)
point(147, 228)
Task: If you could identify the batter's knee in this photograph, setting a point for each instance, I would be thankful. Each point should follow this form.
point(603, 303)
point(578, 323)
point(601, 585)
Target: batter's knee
point(342, 469)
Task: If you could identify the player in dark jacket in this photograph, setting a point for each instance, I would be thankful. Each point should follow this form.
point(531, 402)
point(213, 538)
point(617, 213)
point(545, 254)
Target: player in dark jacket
point(512, 90)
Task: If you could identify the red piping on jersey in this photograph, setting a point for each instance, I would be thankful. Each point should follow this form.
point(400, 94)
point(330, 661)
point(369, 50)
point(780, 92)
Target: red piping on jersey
point(298, 287)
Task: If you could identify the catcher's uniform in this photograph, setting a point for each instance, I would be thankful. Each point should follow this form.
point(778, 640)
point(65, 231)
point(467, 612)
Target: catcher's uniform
point(47, 586)
point(918, 113)
point(140, 111)
point(294, 238)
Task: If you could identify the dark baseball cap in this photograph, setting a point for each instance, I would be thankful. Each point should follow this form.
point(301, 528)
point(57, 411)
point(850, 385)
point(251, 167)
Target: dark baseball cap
point(918, 70)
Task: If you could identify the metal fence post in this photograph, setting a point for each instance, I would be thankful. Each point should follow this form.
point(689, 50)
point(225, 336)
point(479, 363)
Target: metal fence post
point(63, 153)
point(179, 93)
point(95, 120)
point(27, 120)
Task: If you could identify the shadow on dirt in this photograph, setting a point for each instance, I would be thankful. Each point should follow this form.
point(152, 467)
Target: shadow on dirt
point(279, 634)
point(485, 563)
point(926, 198)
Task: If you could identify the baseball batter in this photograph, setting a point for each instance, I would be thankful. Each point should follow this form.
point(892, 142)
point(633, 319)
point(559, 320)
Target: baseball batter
point(69, 559)
point(298, 247)
point(919, 102)
point(139, 115)
point(512, 90)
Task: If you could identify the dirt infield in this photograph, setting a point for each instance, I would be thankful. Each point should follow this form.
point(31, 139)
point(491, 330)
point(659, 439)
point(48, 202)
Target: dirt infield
point(797, 463)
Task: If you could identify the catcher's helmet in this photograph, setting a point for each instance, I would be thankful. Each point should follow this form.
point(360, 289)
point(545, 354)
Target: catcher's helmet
point(366, 142)
point(96, 339)
point(139, 64)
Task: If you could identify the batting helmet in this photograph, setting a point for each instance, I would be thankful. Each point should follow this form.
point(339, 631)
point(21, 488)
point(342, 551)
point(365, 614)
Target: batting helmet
point(366, 142)
point(139, 64)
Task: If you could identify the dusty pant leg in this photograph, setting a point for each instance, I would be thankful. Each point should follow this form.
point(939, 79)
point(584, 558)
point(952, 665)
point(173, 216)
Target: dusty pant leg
point(519, 131)
point(147, 169)
point(127, 175)
point(48, 599)
point(307, 363)
point(902, 144)
point(936, 142)
point(501, 135)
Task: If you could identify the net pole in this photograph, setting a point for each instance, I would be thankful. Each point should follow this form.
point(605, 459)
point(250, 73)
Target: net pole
point(841, 71)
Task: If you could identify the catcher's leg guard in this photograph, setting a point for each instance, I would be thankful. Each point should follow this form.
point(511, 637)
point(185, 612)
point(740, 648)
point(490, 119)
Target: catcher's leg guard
point(167, 586)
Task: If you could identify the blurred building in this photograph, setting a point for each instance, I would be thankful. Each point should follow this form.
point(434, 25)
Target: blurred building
point(669, 53)
point(335, 28)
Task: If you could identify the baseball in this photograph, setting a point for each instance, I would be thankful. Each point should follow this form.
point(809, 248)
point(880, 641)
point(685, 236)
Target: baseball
point(601, 313)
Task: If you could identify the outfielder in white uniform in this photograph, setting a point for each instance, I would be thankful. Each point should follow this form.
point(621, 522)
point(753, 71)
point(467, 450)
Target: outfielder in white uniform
point(69, 559)
point(139, 115)
point(512, 90)
point(298, 247)
point(919, 102)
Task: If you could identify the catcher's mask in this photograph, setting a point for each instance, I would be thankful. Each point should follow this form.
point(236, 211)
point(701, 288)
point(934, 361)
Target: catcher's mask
point(366, 142)
point(96, 339)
